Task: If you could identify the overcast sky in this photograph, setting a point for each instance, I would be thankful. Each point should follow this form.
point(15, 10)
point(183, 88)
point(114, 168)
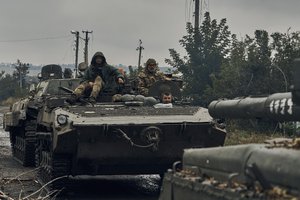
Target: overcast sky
point(38, 31)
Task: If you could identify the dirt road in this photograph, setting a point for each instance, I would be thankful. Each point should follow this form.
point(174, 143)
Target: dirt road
point(16, 181)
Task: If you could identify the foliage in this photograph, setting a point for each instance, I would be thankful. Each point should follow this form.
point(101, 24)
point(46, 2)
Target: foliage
point(219, 65)
point(247, 70)
point(206, 49)
point(286, 47)
point(10, 84)
point(230, 82)
point(21, 70)
point(240, 132)
point(240, 136)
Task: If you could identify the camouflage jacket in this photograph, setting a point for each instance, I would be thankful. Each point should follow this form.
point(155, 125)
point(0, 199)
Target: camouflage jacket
point(146, 80)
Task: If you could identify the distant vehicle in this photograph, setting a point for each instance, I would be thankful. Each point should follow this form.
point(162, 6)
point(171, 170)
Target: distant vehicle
point(22, 119)
point(129, 136)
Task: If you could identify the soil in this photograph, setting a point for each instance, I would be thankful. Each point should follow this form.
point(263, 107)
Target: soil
point(16, 181)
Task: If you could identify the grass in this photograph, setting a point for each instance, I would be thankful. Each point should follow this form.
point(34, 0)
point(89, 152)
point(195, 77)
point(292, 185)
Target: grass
point(246, 137)
point(247, 132)
point(8, 102)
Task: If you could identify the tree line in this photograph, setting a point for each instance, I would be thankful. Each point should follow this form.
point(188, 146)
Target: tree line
point(14, 85)
point(217, 63)
point(220, 65)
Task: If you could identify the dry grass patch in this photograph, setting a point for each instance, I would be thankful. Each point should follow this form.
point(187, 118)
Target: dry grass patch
point(236, 137)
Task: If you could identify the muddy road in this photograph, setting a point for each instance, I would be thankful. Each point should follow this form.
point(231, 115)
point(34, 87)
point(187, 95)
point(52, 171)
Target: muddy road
point(18, 182)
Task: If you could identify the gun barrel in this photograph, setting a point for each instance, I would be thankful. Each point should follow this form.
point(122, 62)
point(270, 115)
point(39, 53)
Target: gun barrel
point(278, 106)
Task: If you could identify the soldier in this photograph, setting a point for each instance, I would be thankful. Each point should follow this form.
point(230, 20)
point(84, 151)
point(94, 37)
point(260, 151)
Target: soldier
point(166, 98)
point(99, 76)
point(148, 76)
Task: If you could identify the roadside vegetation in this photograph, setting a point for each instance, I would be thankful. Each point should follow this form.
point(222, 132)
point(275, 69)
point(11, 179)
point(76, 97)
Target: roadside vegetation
point(253, 131)
point(14, 86)
point(219, 64)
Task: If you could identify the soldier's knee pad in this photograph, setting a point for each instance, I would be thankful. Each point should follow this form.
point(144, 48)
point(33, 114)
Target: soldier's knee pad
point(98, 81)
point(96, 90)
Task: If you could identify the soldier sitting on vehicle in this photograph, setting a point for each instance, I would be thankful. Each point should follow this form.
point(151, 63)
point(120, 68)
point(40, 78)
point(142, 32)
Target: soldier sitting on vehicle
point(98, 77)
point(166, 98)
point(148, 76)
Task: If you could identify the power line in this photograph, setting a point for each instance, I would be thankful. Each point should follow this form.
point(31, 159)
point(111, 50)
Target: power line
point(33, 39)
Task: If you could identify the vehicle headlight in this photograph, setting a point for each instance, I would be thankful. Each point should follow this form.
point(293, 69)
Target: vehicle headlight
point(62, 119)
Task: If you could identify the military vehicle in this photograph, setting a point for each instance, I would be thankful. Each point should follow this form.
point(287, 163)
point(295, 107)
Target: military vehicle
point(22, 120)
point(133, 135)
point(250, 171)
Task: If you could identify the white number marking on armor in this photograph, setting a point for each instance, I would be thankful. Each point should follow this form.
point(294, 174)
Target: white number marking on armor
point(271, 106)
point(276, 106)
point(290, 106)
point(282, 106)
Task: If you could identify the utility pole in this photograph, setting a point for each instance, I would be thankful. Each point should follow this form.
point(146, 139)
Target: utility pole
point(201, 6)
point(140, 48)
point(86, 40)
point(76, 33)
point(197, 11)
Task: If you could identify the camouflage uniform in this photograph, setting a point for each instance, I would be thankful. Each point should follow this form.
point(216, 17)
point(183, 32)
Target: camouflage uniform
point(103, 78)
point(147, 78)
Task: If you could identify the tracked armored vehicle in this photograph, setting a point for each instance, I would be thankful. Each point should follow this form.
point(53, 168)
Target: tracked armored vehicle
point(132, 136)
point(22, 119)
point(251, 171)
point(118, 138)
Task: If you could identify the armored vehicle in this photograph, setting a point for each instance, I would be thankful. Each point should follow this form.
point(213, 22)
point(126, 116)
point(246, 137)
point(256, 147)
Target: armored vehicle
point(252, 171)
point(22, 119)
point(132, 135)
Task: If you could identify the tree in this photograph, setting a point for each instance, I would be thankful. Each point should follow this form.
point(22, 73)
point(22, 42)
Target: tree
point(259, 62)
point(286, 47)
point(247, 71)
point(20, 72)
point(206, 49)
point(229, 83)
point(8, 86)
point(1, 74)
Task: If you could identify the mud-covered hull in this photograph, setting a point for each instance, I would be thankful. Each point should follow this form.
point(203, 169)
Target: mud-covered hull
point(112, 138)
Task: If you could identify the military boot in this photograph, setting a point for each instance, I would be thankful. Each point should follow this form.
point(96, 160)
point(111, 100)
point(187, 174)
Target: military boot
point(92, 100)
point(73, 99)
